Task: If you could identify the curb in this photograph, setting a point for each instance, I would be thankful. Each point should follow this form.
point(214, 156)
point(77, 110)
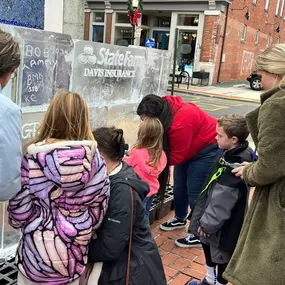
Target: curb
point(221, 96)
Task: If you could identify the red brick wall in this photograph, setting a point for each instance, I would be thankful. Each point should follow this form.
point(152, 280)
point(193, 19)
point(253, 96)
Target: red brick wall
point(240, 56)
point(108, 30)
point(86, 25)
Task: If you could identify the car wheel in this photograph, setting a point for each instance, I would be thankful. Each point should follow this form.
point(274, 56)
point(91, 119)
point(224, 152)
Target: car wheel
point(255, 84)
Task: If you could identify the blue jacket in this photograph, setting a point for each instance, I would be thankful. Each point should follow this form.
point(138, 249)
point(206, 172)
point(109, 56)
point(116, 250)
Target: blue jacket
point(10, 148)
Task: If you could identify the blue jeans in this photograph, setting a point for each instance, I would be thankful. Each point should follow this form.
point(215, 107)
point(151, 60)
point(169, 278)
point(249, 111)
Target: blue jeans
point(147, 202)
point(190, 177)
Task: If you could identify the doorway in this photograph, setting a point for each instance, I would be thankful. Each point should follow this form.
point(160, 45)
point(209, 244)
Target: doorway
point(161, 39)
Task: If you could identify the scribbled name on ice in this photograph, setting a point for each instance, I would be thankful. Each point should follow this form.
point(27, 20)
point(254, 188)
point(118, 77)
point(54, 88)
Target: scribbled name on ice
point(113, 73)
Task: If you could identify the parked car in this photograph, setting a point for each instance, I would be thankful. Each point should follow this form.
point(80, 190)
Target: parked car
point(255, 81)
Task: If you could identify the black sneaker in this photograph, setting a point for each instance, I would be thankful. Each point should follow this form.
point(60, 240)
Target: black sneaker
point(189, 241)
point(173, 224)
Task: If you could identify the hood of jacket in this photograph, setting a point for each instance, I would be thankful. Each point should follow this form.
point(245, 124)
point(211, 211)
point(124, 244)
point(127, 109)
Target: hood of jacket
point(239, 154)
point(175, 102)
point(68, 164)
point(129, 177)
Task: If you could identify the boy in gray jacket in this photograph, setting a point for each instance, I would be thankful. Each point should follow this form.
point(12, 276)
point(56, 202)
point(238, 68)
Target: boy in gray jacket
point(219, 211)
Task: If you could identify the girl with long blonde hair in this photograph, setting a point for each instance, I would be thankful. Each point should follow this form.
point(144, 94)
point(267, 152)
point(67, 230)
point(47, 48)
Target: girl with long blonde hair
point(64, 195)
point(148, 158)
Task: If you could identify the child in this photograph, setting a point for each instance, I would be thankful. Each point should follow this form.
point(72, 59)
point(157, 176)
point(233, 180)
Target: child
point(64, 195)
point(220, 209)
point(148, 158)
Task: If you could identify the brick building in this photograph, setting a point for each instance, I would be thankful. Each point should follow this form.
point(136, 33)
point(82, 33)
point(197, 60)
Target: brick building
point(219, 36)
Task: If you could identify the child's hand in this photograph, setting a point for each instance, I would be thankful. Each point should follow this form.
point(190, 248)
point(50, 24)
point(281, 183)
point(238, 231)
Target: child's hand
point(202, 234)
point(238, 171)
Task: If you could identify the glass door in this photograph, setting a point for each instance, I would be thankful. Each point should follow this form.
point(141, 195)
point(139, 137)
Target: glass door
point(161, 39)
point(98, 34)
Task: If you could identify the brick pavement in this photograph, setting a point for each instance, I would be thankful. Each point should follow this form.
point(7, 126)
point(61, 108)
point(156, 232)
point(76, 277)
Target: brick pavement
point(180, 264)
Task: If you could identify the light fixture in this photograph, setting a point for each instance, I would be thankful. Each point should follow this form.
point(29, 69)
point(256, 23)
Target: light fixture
point(196, 20)
point(278, 29)
point(246, 15)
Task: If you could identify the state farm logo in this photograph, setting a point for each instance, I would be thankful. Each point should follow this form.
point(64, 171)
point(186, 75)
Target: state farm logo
point(87, 56)
point(107, 58)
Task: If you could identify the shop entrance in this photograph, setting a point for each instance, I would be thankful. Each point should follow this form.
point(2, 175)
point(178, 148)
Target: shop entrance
point(161, 39)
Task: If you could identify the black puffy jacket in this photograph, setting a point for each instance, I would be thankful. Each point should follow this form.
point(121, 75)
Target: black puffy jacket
point(220, 209)
point(111, 246)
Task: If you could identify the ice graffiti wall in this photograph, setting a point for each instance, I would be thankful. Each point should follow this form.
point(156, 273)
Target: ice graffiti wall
point(25, 13)
point(112, 79)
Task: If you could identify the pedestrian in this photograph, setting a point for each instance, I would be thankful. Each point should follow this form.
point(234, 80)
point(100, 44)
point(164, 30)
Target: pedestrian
point(220, 209)
point(10, 121)
point(259, 255)
point(124, 243)
point(64, 195)
point(190, 145)
point(148, 158)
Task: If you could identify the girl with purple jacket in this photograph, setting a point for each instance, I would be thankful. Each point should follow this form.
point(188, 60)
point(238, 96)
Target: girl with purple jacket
point(64, 195)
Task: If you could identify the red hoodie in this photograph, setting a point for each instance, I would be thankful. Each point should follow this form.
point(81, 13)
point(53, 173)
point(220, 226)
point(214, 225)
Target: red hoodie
point(191, 130)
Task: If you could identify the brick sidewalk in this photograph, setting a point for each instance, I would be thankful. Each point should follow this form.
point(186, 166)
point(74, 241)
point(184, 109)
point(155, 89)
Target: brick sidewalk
point(180, 264)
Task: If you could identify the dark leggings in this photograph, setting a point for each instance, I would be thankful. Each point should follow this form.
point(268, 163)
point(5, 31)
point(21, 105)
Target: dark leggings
point(210, 263)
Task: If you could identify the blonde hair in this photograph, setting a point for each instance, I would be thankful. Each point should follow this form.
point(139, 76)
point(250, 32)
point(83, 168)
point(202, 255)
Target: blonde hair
point(67, 118)
point(150, 136)
point(272, 60)
point(9, 53)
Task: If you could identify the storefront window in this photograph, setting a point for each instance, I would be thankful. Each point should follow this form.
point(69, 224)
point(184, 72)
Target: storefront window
point(187, 46)
point(188, 20)
point(162, 22)
point(99, 17)
point(122, 18)
point(145, 20)
point(123, 36)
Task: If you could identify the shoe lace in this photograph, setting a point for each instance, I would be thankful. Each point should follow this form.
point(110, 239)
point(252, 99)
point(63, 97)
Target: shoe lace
point(173, 219)
point(188, 238)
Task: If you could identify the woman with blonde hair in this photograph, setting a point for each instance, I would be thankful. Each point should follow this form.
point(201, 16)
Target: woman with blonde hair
point(148, 158)
point(259, 255)
point(64, 195)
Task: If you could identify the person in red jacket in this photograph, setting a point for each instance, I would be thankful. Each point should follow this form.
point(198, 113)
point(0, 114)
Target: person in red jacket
point(190, 145)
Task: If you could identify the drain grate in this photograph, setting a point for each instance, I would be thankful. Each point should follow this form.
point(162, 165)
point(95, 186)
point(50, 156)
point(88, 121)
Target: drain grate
point(8, 273)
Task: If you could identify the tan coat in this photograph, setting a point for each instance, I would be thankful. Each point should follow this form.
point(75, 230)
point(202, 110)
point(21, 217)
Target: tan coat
point(259, 258)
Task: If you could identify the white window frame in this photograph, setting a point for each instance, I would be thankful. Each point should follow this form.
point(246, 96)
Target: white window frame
point(277, 7)
point(93, 23)
point(243, 33)
point(266, 5)
point(282, 8)
point(257, 35)
point(118, 25)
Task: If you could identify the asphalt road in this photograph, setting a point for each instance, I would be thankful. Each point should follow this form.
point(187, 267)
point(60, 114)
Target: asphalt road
point(219, 107)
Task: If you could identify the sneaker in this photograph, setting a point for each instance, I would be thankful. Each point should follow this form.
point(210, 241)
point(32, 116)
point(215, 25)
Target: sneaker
point(204, 282)
point(189, 241)
point(173, 224)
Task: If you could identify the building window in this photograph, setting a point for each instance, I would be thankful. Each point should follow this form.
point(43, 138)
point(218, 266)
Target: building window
point(188, 20)
point(266, 5)
point(257, 37)
point(99, 17)
point(145, 20)
point(122, 18)
point(268, 41)
point(123, 36)
point(162, 22)
point(278, 40)
point(98, 27)
point(243, 33)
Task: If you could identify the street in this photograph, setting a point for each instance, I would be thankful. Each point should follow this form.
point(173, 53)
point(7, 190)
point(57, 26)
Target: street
point(219, 107)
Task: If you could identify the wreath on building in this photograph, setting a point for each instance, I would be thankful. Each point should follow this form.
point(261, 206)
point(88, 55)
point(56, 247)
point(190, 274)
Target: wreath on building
point(135, 13)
